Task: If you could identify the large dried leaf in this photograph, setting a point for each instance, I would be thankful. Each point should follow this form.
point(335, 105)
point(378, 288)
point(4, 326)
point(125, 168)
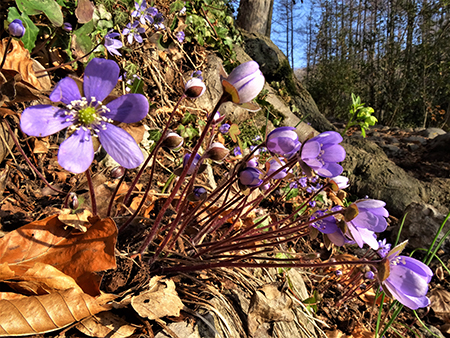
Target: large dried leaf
point(440, 302)
point(159, 301)
point(42, 279)
point(78, 255)
point(39, 314)
point(84, 11)
point(106, 324)
point(18, 59)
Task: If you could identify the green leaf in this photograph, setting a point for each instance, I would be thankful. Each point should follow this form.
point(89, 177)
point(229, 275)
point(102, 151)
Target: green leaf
point(234, 132)
point(188, 118)
point(191, 132)
point(49, 7)
point(291, 194)
point(81, 36)
point(137, 87)
point(176, 6)
point(31, 31)
point(222, 32)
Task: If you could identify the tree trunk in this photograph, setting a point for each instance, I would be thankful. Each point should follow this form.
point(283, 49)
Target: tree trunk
point(255, 16)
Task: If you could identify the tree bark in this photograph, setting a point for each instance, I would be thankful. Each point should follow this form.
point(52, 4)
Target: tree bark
point(255, 16)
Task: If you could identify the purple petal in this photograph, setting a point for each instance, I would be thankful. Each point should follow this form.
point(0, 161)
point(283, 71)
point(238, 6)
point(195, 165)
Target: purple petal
point(43, 120)
point(77, 152)
point(328, 137)
point(330, 170)
point(418, 267)
point(138, 38)
point(130, 39)
point(355, 234)
point(368, 237)
point(333, 153)
point(65, 91)
point(337, 238)
point(368, 220)
point(121, 146)
point(370, 204)
point(310, 150)
point(100, 78)
point(407, 281)
point(128, 108)
point(412, 302)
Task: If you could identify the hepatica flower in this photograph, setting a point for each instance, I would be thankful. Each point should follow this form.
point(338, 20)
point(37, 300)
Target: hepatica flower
point(407, 279)
point(180, 36)
point(111, 44)
point(274, 165)
point(16, 28)
point(283, 141)
point(244, 83)
point(328, 227)
point(142, 13)
point(133, 31)
point(88, 117)
point(322, 153)
point(250, 177)
point(193, 164)
point(370, 219)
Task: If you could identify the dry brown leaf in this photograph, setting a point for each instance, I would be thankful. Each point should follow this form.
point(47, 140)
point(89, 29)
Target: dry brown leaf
point(78, 255)
point(361, 332)
point(11, 295)
point(18, 59)
point(78, 220)
point(136, 130)
point(84, 11)
point(5, 272)
point(40, 147)
point(334, 334)
point(106, 324)
point(159, 301)
point(42, 279)
point(440, 302)
point(40, 314)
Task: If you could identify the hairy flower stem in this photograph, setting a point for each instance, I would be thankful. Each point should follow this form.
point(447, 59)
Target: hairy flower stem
point(232, 264)
point(156, 225)
point(16, 142)
point(91, 192)
point(5, 53)
point(154, 151)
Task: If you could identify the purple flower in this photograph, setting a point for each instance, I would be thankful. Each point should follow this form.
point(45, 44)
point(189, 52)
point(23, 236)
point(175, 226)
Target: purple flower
point(250, 177)
point(369, 275)
point(112, 45)
point(133, 30)
point(198, 193)
point(180, 36)
point(328, 226)
point(194, 163)
point(88, 117)
point(224, 128)
point(323, 152)
point(253, 162)
point(370, 219)
point(283, 141)
point(16, 28)
point(198, 74)
point(142, 13)
point(274, 166)
point(246, 80)
point(383, 248)
point(67, 27)
point(194, 88)
point(158, 20)
point(312, 204)
point(182, 11)
point(237, 151)
point(407, 281)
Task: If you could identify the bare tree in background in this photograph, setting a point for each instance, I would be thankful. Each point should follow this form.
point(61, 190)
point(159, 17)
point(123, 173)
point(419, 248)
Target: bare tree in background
point(255, 16)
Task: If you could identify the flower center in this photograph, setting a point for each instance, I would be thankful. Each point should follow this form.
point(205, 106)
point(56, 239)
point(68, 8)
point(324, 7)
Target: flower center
point(87, 115)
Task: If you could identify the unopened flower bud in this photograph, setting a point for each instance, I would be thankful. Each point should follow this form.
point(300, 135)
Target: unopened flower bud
point(250, 177)
point(194, 88)
point(217, 152)
point(252, 163)
point(67, 27)
point(173, 141)
point(194, 163)
point(199, 192)
point(73, 201)
point(16, 28)
point(338, 273)
point(117, 172)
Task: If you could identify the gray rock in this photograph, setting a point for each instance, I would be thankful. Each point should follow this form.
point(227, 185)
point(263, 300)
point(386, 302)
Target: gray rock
point(413, 146)
point(432, 132)
point(421, 225)
point(415, 139)
point(372, 173)
point(391, 139)
point(392, 150)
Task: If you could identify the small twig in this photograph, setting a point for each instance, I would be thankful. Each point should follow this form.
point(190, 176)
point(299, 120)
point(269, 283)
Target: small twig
point(5, 53)
point(7, 147)
point(206, 17)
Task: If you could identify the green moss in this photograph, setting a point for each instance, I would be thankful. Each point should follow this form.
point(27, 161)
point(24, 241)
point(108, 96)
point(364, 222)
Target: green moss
point(286, 74)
